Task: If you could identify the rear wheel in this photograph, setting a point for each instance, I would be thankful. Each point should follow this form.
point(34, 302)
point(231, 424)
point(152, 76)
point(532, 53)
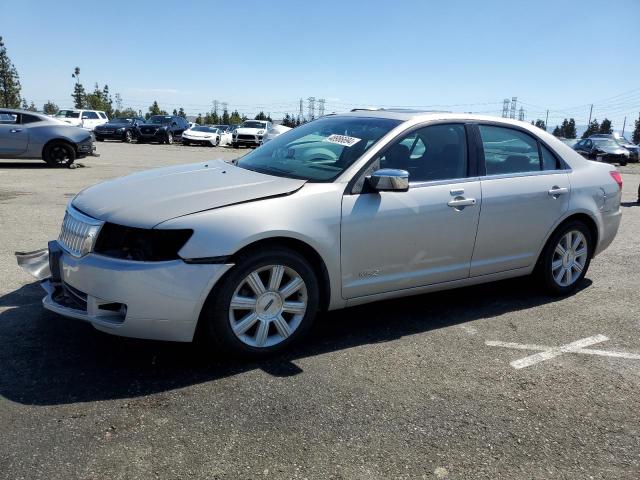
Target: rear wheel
point(566, 258)
point(59, 154)
point(264, 304)
point(128, 136)
point(169, 138)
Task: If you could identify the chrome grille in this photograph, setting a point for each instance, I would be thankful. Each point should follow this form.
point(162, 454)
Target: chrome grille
point(78, 232)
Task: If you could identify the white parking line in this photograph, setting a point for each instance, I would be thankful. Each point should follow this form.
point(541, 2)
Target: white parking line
point(547, 353)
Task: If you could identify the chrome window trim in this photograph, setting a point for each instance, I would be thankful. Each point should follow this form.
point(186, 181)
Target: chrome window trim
point(430, 183)
point(524, 174)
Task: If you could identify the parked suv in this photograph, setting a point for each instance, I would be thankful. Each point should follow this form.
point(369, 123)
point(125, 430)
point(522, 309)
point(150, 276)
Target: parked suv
point(87, 119)
point(251, 133)
point(162, 129)
point(123, 129)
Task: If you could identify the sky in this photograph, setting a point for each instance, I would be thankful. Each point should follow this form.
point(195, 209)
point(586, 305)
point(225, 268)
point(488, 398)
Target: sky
point(455, 55)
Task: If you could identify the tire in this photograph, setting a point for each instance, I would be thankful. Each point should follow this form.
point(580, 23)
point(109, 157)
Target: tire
point(128, 137)
point(553, 265)
point(140, 140)
point(623, 163)
point(218, 142)
point(99, 139)
point(59, 154)
point(263, 331)
point(169, 139)
point(234, 145)
point(186, 143)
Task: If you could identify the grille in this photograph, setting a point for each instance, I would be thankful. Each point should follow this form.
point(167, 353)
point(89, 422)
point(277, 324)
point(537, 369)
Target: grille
point(106, 132)
point(246, 137)
point(76, 230)
point(148, 130)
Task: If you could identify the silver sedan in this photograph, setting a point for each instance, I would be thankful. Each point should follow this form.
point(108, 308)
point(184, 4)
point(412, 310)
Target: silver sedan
point(345, 210)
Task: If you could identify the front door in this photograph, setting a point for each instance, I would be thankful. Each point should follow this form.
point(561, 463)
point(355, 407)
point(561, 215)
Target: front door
point(398, 240)
point(14, 137)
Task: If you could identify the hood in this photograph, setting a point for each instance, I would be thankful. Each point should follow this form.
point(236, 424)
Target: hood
point(191, 133)
point(612, 150)
point(114, 125)
point(250, 131)
point(148, 198)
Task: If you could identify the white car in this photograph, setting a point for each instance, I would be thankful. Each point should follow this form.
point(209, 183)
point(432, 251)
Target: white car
point(275, 131)
point(87, 119)
point(204, 135)
point(226, 136)
point(251, 133)
point(344, 210)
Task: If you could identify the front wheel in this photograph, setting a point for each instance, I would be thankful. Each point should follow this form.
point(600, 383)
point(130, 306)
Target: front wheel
point(59, 154)
point(169, 138)
point(264, 304)
point(566, 258)
point(128, 136)
point(234, 145)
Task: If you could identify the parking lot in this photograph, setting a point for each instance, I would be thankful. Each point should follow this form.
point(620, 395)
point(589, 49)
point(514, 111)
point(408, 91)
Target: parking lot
point(495, 381)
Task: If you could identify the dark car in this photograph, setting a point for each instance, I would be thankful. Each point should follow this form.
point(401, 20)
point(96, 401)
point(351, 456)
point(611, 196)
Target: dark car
point(634, 150)
point(162, 129)
point(602, 150)
point(123, 129)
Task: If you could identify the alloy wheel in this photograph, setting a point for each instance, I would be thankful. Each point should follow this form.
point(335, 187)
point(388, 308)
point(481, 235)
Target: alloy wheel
point(569, 258)
point(268, 306)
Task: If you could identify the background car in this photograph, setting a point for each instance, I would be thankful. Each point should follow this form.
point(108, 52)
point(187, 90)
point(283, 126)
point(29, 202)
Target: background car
point(88, 119)
point(161, 129)
point(25, 134)
point(251, 133)
point(275, 131)
point(634, 150)
point(602, 150)
point(209, 136)
point(225, 133)
point(123, 129)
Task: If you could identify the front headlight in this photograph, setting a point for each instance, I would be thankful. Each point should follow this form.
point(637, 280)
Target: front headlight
point(120, 130)
point(140, 244)
point(260, 132)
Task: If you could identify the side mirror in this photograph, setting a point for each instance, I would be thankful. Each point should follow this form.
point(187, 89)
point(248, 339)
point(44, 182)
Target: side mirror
point(389, 180)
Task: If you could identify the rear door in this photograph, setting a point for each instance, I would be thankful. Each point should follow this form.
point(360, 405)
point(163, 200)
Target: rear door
point(524, 192)
point(90, 119)
point(14, 137)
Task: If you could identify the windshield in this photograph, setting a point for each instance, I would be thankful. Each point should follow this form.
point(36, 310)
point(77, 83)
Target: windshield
point(605, 142)
point(159, 120)
point(251, 124)
point(68, 114)
point(121, 120)
point(221, 127)
point(318, 151)
point(204, 129)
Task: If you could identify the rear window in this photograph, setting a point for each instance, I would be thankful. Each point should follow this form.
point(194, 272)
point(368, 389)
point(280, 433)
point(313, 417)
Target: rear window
point(509, 151)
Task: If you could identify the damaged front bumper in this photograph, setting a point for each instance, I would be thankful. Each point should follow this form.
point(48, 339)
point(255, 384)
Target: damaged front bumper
point(151, 300)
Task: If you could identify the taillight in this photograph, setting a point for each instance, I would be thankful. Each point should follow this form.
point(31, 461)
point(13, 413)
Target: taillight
point(617, 177)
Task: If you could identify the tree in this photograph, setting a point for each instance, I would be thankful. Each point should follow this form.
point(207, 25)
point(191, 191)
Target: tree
point(10, 87)
point(199, 120)
point(540, 124)
point(636, 133)
point(181, 113)
point(50, 108)
point(605, 126)
point(79, 95)
point(154, 109)
point(261, 116)
point(32, 107)
point(25, 105)
point(594, 127)
point(235, 118)
point(226, 120)
point(570, 131)
point(100, 99)
point(175, 112)
point(557, 132)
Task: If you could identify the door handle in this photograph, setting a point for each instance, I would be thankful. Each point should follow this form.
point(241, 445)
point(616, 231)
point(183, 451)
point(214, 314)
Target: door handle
point(15, 130)
point(462, 202)
point(557, 191)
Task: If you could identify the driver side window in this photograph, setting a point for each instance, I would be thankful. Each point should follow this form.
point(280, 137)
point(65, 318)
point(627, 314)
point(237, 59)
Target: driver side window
point(436, 152)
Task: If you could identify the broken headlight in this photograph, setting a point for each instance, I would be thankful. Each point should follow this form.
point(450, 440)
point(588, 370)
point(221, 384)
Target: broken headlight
point(140, 244)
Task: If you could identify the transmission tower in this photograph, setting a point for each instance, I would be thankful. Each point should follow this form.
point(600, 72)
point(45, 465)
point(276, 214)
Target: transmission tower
point(311, 107)
point(225, 107)
point(321, 107)
point(521, 114)
point(215, 107)
point(301, 112)
point(505, 108)
point(512, 113)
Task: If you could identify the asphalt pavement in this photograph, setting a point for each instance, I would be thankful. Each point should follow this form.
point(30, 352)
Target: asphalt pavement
point(432, 386)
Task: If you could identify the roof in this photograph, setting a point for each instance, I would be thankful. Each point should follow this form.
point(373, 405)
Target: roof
point(426, 115)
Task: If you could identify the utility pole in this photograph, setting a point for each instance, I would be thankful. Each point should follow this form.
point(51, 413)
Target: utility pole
point(311, 107)
point(512, 113)
point(505, 108)
point(590, 112)
point(624, 124)
point(546, 122)
point(321, 107)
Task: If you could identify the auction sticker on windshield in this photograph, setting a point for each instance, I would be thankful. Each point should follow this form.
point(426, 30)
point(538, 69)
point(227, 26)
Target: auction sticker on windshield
point(342, 140)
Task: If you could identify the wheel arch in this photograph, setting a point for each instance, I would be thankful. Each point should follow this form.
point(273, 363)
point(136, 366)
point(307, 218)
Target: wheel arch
point(583, 217)
point(56, 140)
point(307, 251)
